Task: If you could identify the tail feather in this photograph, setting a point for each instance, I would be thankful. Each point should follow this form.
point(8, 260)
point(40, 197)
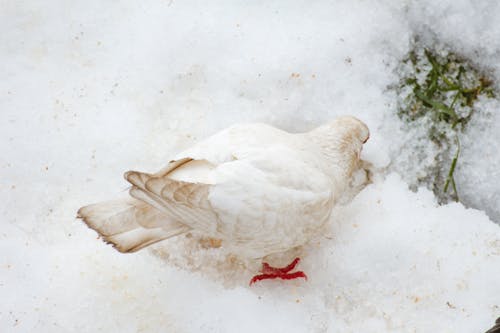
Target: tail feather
point(129, 224)
point(137, 239)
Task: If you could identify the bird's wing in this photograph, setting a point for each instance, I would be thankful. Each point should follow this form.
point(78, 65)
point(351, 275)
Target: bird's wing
point(185, 202)
point(233, 182)
point(181, 189)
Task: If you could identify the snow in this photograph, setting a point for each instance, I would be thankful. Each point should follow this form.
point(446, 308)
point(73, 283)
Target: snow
point(92, 89)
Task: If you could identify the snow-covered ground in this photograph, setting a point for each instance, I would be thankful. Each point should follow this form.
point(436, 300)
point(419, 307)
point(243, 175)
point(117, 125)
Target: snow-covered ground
point(91, 89)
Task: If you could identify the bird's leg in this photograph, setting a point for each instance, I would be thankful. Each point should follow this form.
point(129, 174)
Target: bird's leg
point(269, 272)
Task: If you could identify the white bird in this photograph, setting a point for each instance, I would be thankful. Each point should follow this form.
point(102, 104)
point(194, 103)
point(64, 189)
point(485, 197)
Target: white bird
point(258, 189)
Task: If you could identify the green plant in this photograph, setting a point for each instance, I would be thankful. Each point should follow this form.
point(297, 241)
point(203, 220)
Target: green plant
point(443, 88)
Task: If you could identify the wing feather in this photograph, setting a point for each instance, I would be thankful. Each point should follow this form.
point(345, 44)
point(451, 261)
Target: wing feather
point(183, 201)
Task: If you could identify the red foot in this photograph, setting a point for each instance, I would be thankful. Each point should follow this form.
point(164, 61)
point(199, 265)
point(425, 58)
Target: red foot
point(269, 272)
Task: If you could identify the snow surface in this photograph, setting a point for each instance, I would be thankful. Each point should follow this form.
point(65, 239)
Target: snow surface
point(92, 89)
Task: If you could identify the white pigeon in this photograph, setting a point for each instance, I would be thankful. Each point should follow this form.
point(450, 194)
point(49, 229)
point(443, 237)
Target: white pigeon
point(257, 189)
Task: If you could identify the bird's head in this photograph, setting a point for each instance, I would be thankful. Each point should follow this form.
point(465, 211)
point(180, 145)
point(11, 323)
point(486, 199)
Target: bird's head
point(351, 130)
point(342, 140)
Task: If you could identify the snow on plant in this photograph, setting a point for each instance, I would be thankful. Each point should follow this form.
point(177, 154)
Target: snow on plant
point(438, 89)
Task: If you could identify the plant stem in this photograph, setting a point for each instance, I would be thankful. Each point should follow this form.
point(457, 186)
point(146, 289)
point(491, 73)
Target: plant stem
point(450, 177)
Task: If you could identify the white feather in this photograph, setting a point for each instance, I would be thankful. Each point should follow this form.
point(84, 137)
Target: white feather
point(257, 188)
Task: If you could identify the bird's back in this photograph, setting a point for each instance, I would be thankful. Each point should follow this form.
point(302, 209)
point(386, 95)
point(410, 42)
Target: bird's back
point(257, 188)
point(268, 189)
